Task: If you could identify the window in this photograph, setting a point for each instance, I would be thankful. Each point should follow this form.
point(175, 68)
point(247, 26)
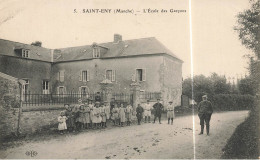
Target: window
point(61, 90)
point(61, 75)
point(45, 87)
point(111, 75)
point(96, 52)
point(83, 91)
point(84, 76)
point(25, 53)
point(140, 75)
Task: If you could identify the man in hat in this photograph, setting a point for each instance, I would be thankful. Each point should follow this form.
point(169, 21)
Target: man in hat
point(205, 110)
point(147, 111)
point(170, 112)
point(158, 108)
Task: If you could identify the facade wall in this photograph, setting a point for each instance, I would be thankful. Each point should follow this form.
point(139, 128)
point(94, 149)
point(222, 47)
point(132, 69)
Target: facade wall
point(171, 73)
point(125, 68)
point(35, 71)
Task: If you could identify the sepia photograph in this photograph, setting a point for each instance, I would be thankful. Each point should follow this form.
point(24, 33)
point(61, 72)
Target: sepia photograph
point(118, 79)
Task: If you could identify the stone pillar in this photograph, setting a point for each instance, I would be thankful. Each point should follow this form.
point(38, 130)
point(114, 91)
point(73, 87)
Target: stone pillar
point(107, 91)
point(135, 90)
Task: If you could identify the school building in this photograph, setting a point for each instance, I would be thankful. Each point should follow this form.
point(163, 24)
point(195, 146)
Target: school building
point(82, 69)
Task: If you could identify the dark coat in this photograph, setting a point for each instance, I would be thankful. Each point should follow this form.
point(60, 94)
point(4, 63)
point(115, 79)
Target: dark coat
point(205, 107)
point(158, 108)
point(139, 112)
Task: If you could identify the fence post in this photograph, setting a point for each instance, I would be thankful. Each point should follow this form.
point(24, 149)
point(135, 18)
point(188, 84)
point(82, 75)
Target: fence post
point(135, 88)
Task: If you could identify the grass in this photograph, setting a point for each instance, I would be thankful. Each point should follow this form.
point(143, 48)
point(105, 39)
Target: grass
point(243, 144)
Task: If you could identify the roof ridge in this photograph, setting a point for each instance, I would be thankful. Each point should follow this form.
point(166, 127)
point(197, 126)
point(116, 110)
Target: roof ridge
point(105, 43)
point(24, 43)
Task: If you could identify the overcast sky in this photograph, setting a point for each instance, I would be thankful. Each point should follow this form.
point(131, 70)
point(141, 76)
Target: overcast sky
point(216, 47)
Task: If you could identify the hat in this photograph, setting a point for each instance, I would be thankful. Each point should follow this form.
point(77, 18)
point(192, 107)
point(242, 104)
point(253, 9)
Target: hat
point(204, 96)
point(170, 101)
point(158, 98)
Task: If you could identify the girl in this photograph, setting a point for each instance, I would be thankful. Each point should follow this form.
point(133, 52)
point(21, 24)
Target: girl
point(122, 115)
point(107, 110)
point(115, 114)
point(70, 119)
point(87, 116)
point(91, 115)
point(103, 115)
point(62, 122)
point(81, 117)
point(128, 114)
point(76, 116)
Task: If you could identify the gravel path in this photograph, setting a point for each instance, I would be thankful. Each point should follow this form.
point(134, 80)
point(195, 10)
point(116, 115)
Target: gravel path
point(146, 141)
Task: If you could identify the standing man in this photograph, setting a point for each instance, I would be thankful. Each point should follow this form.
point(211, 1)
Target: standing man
point(205, 110)
point(139, 113)
point(147, 111)
point(158, 107)
point(98, 97)
point(170, 112)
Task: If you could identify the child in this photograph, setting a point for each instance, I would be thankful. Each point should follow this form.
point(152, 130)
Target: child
point(96, 116)
point(115, 114)
point(81, 117)
point(70, 119)
point(139, 113)
point(103, 116)
point(76, 116)
point(91, 115)
point(107, 110)
point(128, 114)
point(122, 115)
point(87, 116)
point(170, 112)
point(62, 122)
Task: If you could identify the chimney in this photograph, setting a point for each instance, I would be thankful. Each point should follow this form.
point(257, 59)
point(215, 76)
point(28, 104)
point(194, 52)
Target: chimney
point(117, 38)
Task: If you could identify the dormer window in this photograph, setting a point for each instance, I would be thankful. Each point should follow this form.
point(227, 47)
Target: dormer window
point(25, 53)
point(96, 52)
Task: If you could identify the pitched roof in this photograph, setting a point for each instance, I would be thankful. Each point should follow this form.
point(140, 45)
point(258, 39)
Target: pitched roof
point(143, 46)
point(135, 47)
point(39, 53)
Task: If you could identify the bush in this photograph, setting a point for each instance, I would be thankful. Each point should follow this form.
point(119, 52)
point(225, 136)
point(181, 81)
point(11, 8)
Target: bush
point(229, 102)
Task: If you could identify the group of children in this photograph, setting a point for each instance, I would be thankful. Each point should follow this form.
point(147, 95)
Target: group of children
point(93, 115)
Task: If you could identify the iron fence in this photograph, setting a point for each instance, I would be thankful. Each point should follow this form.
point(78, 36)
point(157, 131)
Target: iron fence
point(72, 98)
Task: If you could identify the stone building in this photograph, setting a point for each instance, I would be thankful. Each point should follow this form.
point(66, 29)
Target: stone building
point(81, 69)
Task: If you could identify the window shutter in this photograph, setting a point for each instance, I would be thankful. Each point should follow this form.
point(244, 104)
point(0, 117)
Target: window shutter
point(62, 76)
point(80, 75)
point(87, 75)
point(57, 90)
point(144, 74)
point(113, 75)
point(65, 90)
point(58, 76)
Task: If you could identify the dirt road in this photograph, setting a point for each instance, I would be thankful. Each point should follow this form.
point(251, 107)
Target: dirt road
point(146, 141)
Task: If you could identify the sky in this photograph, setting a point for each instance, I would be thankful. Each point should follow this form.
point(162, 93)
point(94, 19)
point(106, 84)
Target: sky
point(216, 47)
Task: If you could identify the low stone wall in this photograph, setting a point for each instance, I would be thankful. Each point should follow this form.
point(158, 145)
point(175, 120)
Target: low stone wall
point(9, 107)
point(36, 121)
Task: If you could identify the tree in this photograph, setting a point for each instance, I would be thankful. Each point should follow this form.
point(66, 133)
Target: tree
point(37, 43)
point(248, 27)
point(202, 85)
point(247, 86)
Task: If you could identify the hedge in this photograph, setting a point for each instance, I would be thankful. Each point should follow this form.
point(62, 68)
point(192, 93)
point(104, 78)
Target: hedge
point(231, 102)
